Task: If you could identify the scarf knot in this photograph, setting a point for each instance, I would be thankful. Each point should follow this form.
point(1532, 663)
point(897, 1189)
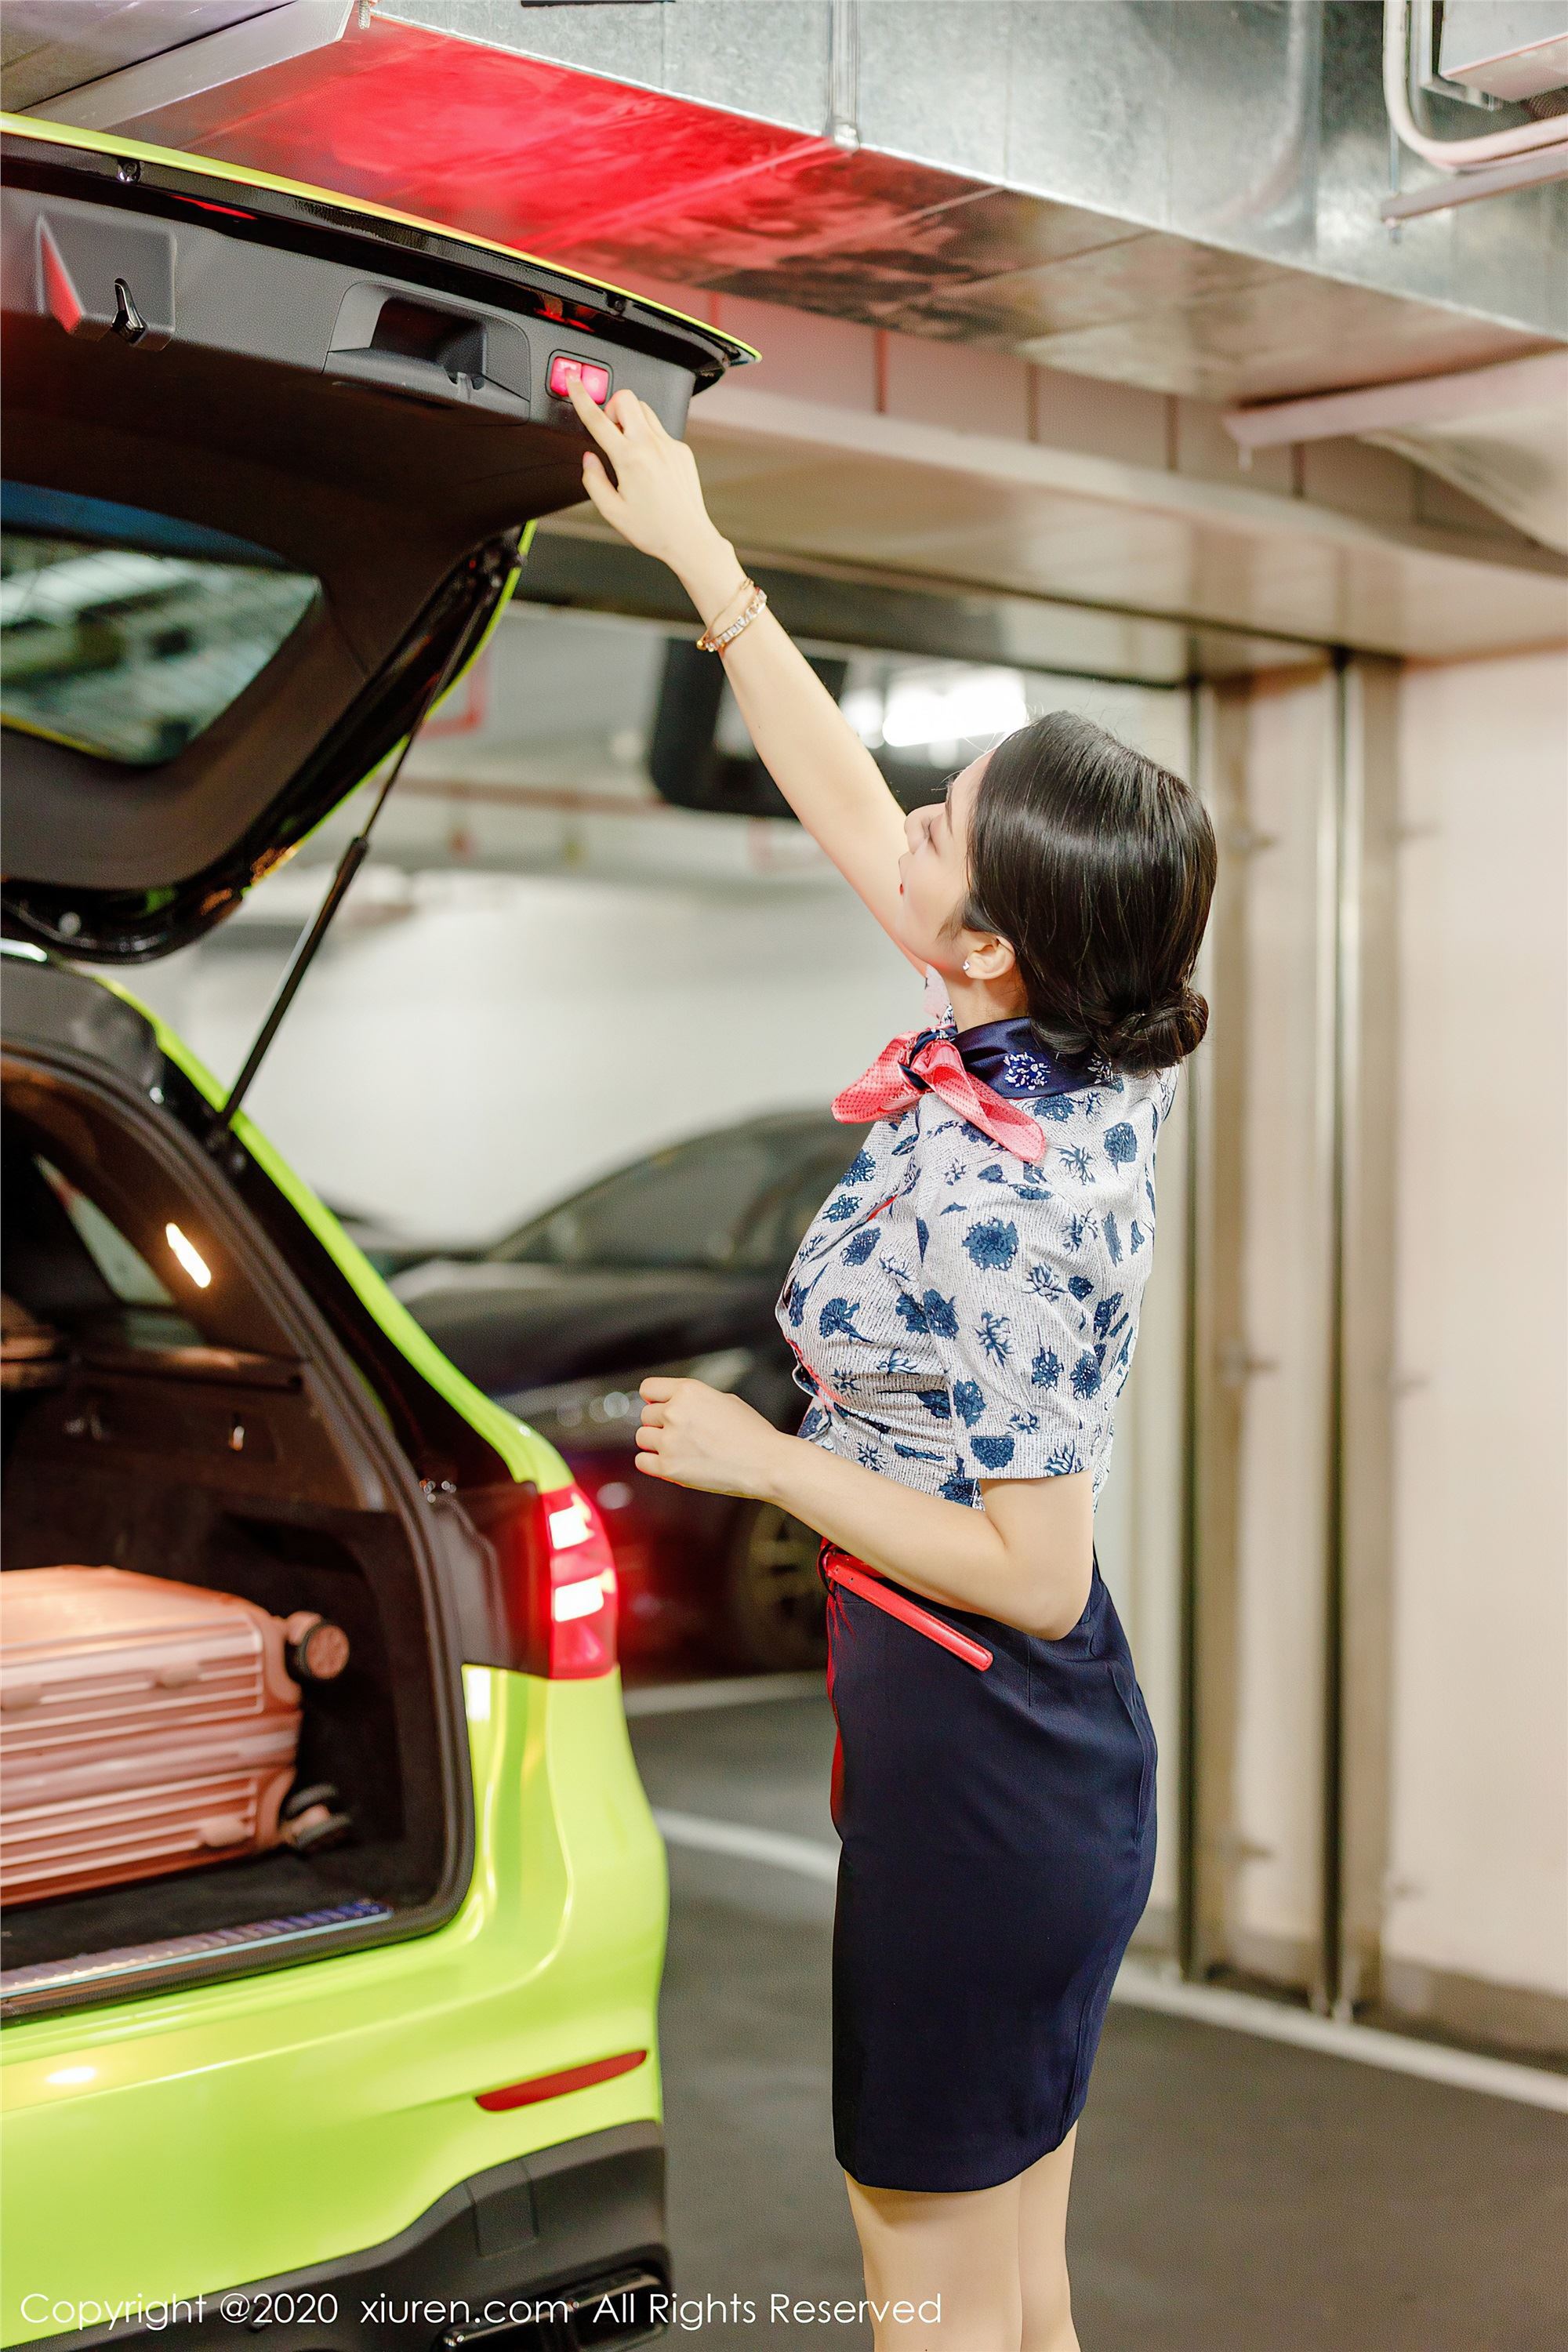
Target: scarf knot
point(929, 1061)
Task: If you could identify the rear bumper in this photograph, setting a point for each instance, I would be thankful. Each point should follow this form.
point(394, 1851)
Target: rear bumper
point(575, 2223)
point(300, 2115)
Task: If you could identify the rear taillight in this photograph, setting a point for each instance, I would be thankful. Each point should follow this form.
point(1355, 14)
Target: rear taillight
point(582, 1586)
point(540, 1596)
point(577, 1588)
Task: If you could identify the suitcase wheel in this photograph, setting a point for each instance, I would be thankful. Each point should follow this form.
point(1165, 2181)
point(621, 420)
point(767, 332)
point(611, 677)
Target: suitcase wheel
point(299, 1801)
point(318, 1650)
point(315, 1829)
point(310, 1820)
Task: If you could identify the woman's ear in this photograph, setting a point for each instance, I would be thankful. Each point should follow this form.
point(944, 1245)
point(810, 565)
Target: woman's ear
point(989, 956)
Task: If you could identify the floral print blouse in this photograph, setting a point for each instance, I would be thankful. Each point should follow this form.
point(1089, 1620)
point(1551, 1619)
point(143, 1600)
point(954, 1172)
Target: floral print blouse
point(958, 1314)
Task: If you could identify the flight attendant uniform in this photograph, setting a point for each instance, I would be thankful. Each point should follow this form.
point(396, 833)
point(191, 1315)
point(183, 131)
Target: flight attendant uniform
point(964, 1308)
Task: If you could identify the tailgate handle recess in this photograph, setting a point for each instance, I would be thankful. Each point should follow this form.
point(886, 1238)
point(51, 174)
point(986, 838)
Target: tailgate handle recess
point(430, 353)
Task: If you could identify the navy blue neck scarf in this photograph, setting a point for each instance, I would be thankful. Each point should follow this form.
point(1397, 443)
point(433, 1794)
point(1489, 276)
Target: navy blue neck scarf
point(1007, 1056)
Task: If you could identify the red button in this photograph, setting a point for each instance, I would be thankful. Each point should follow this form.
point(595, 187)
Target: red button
point(595, 381)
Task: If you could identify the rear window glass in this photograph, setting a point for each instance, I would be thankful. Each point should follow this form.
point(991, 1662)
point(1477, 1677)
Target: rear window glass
point(125, 633)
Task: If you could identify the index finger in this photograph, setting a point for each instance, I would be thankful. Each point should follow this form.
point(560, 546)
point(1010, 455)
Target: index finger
point(658, 1388)
point(590, 415)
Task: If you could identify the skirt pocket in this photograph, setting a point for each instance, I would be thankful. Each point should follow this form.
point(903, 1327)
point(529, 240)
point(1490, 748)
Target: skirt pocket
point(1137, 1714)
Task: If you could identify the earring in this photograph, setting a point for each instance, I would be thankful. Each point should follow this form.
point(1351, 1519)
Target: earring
point(967, 969)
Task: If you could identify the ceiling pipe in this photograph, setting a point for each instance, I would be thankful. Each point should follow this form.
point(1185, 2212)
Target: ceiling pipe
point(1540, 381)
point(1537, 171)
point(1450, 154)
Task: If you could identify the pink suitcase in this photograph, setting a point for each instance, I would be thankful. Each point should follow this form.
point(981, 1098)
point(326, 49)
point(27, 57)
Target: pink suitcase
point(145, 1725)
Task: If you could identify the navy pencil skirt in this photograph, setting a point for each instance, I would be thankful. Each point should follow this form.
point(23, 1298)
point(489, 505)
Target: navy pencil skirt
point(994, 1795)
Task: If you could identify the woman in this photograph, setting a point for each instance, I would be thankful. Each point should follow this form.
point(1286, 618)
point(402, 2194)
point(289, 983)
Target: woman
point(963, 1312)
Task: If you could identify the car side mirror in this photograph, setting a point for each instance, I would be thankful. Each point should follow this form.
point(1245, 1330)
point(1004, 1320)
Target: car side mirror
point(691, 770)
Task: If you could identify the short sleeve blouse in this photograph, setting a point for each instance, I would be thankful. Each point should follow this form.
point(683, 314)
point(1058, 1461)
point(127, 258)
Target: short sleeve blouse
point(958, 1314)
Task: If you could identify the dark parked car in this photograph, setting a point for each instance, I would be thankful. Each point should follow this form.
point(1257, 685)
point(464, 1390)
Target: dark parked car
point(672, 1264)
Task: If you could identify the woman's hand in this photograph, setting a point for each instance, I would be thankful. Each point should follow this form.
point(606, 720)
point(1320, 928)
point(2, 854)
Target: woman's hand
point(693, 1435)
point(656, 499)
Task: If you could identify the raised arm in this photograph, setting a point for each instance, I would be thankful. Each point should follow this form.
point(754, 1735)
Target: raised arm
point(802, 738)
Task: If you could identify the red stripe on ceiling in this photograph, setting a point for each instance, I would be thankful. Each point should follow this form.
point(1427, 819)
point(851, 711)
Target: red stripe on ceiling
point(568, 165)
point(505, 146)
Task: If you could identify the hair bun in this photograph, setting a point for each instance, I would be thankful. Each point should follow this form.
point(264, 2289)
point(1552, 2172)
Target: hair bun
point(1157, 1036)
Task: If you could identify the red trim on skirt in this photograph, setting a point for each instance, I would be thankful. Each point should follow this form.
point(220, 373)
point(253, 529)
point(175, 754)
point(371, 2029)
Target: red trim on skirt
point(843, 1568)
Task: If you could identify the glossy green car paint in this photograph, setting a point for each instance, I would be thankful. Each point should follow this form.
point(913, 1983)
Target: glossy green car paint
point(254, 2127)
point(259, 2126)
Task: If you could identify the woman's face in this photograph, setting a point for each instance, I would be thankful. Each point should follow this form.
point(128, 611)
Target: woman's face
point(933, 874)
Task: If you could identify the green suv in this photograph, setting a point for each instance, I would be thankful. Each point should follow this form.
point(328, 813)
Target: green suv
point(270, 460)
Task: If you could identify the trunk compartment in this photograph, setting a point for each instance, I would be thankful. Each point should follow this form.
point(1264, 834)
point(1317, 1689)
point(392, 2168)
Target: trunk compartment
point(218, 1436)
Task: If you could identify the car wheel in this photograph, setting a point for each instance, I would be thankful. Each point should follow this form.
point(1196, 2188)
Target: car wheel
point(774, 1607)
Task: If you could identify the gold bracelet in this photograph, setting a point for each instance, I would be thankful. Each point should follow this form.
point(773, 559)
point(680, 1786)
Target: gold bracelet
point(730, 606)
point(713, 641)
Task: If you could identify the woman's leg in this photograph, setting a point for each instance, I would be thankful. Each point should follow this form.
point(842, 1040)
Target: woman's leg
point(1042, 2251)
point(956, 2254)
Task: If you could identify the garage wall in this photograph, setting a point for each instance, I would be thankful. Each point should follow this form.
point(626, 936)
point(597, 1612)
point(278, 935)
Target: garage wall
point(1478, 1884)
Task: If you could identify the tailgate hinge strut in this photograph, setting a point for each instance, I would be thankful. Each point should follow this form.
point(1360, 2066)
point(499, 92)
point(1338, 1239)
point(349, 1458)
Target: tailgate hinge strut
point(311, 938)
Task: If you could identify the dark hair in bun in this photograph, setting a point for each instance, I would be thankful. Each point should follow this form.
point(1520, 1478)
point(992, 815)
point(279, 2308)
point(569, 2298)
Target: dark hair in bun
point(1153, 1040)
point(1097, 866)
